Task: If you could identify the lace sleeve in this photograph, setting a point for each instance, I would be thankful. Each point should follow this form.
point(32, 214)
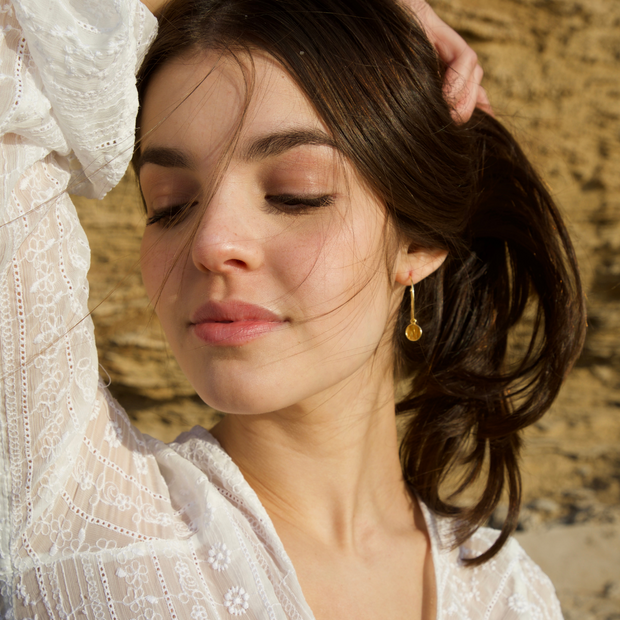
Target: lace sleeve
point(69, 82)
point(67, 112)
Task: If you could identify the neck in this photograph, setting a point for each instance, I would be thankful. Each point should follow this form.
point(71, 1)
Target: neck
point(327, 467)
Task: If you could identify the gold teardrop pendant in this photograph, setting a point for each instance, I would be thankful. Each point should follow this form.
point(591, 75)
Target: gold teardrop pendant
point(413, 331)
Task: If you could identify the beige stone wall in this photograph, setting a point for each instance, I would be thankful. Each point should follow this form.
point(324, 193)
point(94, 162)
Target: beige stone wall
point(553, 74)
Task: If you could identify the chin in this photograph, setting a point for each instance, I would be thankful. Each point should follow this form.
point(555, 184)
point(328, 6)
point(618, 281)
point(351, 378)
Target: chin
point(242, 397)
point(240, 406)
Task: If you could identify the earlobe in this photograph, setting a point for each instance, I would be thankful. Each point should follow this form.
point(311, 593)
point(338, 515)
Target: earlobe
point(413, 265)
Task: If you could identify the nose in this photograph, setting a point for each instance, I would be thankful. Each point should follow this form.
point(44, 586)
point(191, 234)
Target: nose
point(226, 239)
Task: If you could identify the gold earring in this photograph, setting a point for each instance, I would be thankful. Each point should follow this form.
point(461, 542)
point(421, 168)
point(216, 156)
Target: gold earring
point(413, 331)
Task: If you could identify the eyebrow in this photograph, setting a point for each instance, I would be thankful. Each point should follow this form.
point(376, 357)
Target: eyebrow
point(271, 145)
point(164, 156)
point(277, 143)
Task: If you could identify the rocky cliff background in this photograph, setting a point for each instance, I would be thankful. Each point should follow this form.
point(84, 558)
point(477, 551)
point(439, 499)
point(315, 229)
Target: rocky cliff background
point(552, 70)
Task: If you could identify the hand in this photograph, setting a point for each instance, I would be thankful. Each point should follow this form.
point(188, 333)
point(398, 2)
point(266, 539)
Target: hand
point(462, 87)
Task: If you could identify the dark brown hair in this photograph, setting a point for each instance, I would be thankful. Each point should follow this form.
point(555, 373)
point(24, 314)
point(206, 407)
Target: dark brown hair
point(376, 82)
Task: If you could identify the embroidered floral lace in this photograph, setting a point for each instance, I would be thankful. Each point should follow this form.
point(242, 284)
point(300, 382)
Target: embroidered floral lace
point(97, 520)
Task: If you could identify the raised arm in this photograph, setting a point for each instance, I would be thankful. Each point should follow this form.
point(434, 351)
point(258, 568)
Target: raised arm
point(67, 110)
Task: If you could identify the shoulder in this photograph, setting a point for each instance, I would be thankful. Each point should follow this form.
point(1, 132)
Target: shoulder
point(510, 586)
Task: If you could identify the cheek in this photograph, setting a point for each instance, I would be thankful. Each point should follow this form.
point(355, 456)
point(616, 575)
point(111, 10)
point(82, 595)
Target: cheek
point(297, 266)
point(334, 269)
point(157, 265)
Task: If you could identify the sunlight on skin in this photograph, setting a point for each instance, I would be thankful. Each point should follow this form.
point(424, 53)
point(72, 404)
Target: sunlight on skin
point(320, 271)
point(314, 434)
point(321, 449)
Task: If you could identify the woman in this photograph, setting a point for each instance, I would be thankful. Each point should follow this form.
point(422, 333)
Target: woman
point(294, 193)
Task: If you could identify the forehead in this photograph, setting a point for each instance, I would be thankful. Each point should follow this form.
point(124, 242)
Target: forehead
point(196, 102)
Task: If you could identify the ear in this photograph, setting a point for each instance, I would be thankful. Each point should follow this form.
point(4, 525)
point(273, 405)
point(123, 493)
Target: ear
point(414, 264)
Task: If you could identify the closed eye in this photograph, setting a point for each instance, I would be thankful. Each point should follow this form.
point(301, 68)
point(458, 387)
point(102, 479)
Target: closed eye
point(170, 216)
point(290, 203)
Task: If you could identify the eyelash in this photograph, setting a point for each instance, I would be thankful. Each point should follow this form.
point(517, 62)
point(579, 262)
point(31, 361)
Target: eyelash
point(170, 216)
point(287, 203)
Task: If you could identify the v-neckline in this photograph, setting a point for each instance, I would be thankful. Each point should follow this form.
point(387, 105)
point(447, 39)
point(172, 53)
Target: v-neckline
point(251, 499)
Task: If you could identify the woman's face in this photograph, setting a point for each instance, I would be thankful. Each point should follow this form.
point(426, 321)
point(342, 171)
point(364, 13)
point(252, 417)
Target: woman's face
point(274, 287)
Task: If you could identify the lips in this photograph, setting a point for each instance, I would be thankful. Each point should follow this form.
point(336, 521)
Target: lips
point(233, 323)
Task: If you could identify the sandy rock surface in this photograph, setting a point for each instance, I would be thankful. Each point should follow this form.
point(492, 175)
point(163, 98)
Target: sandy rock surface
point(553, 75)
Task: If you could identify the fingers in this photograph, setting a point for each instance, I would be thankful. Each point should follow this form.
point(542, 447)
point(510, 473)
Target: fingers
point(482, 102)
point(463, 89)
point(462, 86)
point(465, 93)
point(464, 74)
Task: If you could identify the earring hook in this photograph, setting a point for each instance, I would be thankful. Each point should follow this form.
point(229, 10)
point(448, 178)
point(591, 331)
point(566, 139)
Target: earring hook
point(413, 331)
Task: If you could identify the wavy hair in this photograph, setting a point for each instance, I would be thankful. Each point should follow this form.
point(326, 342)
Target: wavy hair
point(376, 82)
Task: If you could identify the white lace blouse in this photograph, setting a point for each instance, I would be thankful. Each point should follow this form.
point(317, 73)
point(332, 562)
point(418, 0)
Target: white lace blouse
point(97, 520)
